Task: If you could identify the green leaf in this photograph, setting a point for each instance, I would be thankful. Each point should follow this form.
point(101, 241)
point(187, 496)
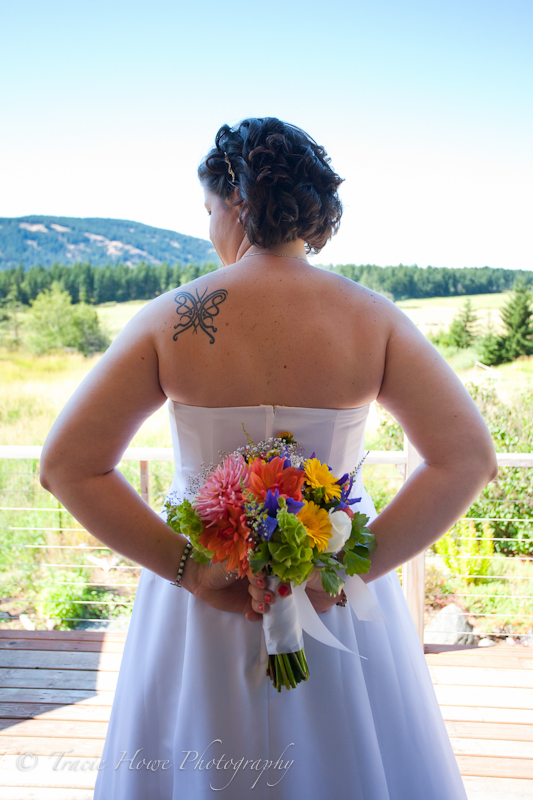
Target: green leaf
point(331, 582)
point(354, 564)
point(328, 560)
point(360, 533)
point(260, 558)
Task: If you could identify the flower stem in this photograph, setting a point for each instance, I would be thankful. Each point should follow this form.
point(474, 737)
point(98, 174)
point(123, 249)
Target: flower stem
point(287, 669)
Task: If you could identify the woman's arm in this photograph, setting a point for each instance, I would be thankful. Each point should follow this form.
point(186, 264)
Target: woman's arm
point(441, 420)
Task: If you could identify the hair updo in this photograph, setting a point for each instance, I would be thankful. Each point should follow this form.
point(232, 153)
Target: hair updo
point(286, 187)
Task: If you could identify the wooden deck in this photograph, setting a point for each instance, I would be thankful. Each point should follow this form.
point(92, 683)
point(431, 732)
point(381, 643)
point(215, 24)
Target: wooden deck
point(57, 691)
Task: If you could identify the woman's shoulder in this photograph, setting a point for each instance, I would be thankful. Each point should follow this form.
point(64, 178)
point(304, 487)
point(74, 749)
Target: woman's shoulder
point(323, 283)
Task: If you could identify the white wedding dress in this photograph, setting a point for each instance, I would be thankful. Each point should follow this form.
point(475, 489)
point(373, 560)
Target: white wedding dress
point(194, 712)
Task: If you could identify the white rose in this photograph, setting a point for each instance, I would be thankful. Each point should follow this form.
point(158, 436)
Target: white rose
point(341, 529)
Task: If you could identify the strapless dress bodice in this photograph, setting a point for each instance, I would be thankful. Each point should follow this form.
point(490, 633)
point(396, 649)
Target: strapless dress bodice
point(203, 435)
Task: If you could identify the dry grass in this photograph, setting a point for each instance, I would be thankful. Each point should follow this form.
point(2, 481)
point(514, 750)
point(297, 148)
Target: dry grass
point(434, 313)
point(34, 389)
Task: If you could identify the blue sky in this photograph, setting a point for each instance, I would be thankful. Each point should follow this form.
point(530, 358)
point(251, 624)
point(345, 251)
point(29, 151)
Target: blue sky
point(106, 108)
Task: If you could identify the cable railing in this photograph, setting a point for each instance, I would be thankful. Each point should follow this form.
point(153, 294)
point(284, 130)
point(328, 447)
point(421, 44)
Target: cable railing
point(413, 572)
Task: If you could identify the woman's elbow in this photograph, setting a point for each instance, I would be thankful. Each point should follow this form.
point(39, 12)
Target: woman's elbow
point(45, 479)
point(487, 464)
point(493, 468)
point(51, 467)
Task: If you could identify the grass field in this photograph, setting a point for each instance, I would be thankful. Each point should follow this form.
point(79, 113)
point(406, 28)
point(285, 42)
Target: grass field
point(115, 315)
point(431, 314)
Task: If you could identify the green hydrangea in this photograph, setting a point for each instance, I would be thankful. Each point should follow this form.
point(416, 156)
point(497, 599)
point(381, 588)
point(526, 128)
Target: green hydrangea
point(184, 519)
point(289, 548)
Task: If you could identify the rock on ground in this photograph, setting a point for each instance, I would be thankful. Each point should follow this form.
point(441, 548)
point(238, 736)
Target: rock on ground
point(449, 626)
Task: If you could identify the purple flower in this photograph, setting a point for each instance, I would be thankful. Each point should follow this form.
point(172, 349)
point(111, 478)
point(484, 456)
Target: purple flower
point(267, 527)
point(271, 502)
point(346, 489)
point(293, 506)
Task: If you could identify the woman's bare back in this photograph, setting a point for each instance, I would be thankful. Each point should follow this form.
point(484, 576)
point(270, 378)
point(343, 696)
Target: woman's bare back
point(279, 332)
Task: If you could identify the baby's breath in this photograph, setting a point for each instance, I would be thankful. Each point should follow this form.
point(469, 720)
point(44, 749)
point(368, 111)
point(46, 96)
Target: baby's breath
point(195, 482)
point(270, 448)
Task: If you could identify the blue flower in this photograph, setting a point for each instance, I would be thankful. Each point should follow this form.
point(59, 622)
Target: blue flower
point(343, 479)
point(346, 489)
point(267, 527)
point(271, 502)
point(294, 506)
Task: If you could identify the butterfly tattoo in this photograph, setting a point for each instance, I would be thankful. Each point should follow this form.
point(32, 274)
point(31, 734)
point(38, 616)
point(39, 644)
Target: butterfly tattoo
point(198, 312)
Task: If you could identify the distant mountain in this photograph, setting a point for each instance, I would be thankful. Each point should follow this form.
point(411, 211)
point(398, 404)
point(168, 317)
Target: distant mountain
point(43, 240)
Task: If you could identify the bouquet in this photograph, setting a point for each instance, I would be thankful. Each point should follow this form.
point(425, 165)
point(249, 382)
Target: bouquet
point(266, 507)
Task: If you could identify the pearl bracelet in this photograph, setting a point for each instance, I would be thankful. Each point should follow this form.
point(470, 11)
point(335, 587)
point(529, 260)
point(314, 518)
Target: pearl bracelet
point(177, 582)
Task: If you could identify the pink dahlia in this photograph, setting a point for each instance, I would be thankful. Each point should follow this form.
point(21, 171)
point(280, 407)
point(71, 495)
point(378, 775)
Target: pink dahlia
point(222, 489)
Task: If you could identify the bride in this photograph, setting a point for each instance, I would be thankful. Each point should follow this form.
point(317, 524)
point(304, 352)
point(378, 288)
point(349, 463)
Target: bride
point(270, 341)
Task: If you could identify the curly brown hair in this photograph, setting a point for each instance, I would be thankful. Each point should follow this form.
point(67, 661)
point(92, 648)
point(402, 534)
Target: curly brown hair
point(286, 187)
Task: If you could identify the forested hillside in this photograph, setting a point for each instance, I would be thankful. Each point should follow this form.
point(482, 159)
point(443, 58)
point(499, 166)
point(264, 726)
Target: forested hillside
point(90, 284)
point(405, 283)
point(45, 240)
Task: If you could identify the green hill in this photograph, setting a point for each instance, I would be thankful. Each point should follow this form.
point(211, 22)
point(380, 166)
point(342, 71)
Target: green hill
point(44, 240)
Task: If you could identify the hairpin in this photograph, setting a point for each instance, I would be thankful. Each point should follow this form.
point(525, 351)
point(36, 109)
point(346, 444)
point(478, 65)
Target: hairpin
point(228, 162)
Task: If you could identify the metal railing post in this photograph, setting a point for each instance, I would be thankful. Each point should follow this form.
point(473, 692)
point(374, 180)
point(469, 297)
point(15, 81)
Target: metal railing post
point(414, 570)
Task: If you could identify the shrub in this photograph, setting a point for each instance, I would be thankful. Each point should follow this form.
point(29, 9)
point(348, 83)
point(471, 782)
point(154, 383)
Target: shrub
point(442, 338)
point(465, 551)
point(76, 602)
point(53, 323)
point(510, 496)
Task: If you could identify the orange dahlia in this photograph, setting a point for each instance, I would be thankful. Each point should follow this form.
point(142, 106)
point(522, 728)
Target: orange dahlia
point(275, 475)
point(229, 539)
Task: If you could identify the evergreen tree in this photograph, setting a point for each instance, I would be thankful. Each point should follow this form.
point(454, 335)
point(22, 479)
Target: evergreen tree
point(463, 329)
point(10, 316)
point(491, 347)
point(517, 316)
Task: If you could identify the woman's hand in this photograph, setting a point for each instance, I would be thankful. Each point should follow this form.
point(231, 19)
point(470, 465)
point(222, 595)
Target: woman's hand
point(321, 600)
point(217, 587)
point(262, 597)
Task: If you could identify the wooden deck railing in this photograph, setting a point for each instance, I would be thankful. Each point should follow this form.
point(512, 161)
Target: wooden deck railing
point(406, 460)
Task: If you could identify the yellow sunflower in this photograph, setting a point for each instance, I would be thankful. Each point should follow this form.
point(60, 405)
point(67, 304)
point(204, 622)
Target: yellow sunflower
point(317, 523)
point(319, 477)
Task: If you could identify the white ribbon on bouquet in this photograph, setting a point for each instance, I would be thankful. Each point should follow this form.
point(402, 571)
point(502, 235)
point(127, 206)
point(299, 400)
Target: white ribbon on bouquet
point(285, 620)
